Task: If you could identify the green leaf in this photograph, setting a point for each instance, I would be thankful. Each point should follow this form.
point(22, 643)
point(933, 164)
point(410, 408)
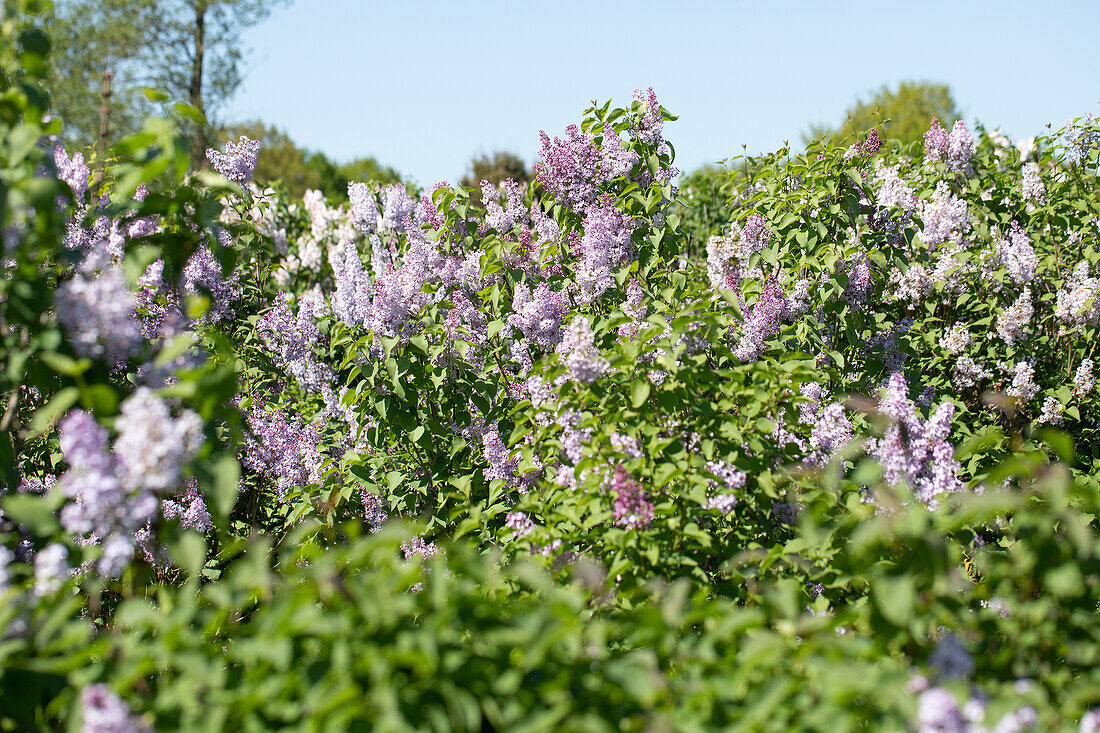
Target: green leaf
point(639, 392)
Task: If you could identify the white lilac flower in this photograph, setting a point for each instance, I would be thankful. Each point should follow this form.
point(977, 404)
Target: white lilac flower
point(579, 353)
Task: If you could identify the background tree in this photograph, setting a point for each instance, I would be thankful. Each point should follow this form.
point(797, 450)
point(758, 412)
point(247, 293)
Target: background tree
point(190, 49)
point(495, 169)
point(297, 169)
point(904, 113)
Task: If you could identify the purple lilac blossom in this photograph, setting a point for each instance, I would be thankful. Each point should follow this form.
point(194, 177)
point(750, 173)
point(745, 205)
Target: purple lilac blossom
point(72, 171)
point(632, 507)
point(519, 523)
point(98, 312)
point(203, 272)
point(914, 451)
point(291, 338)
point(945, 217)
point(604, 247)
point(1032, 185)
point(237, 162)
point(364, 208)
point(51, 569)
point(538, 314)
point(579, 352)
point(102, 711)
point(1017, 255)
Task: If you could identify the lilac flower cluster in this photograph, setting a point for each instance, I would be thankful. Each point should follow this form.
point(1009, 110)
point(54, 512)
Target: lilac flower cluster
point(764, 321)
point(604, 247)
point(237, 162)
point(945, 217)
point(282, 448)
point(938, 712)
point(98, 312)
point(579, 352)
point(519, 523)
point(632, 507)
point(1077, 304)
point(503, 219)
point(72, 171)
point(830, 433)
point(502, 464)
point(364, 208)
point(915, 451)
point(572, 168)
point(1083, 379)
point(1012, 321)
point(291, 338)
point(892, 190)
point(538, 314)
point(190, 509)
point(51, 569)
point(955, 148)
point(397, 207)
point(1017, 255)
point(865, 148)
point(203, 272)
point(114, 493)
point(102, 711)
point(1023, 387)
point(1032, 185)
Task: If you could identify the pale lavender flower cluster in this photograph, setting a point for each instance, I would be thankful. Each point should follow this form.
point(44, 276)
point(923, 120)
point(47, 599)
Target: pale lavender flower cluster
point(399, 293)
point(420, 546)
point(914, 451)
point(957, 339)
point(190, 509)
point(1083, 379)
point(968, 373)
point(374, 511)
point(945, 218)
point(572, 168)
point(1023, 386)
point(204, 273)
point(102, 711)
point(1051, 414)
point(364, 208)
point(632, 507)
point(605, 246)
point(98, 312)
point(114, 493)
point(503, 218)
point(764, 321)
point(1032, 185)
point(1012, 321)
point(579, 352)
point(892, 190)
point(831, 432)
point(291, 339)
point(634, 306)
point(519, 523)
point(950, 659)
point(1077, 304)
point(1017, 255)
point(955, 148)
point(237, 162)
point(282, 449)
point(939, 712)
point(397, 206)
point(72, 171)
point(51, 569)
point(1081, 139)
point(502, 464)
point(651, 127)
point(538, 314)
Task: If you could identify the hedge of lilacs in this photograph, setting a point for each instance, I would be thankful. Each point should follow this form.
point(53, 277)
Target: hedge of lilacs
point(522, 461)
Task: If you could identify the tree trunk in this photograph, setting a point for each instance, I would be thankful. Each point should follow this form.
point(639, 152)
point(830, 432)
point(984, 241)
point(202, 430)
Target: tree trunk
point(198, 140)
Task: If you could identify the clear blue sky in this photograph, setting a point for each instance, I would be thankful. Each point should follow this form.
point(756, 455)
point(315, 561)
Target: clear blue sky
point(423, 86)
